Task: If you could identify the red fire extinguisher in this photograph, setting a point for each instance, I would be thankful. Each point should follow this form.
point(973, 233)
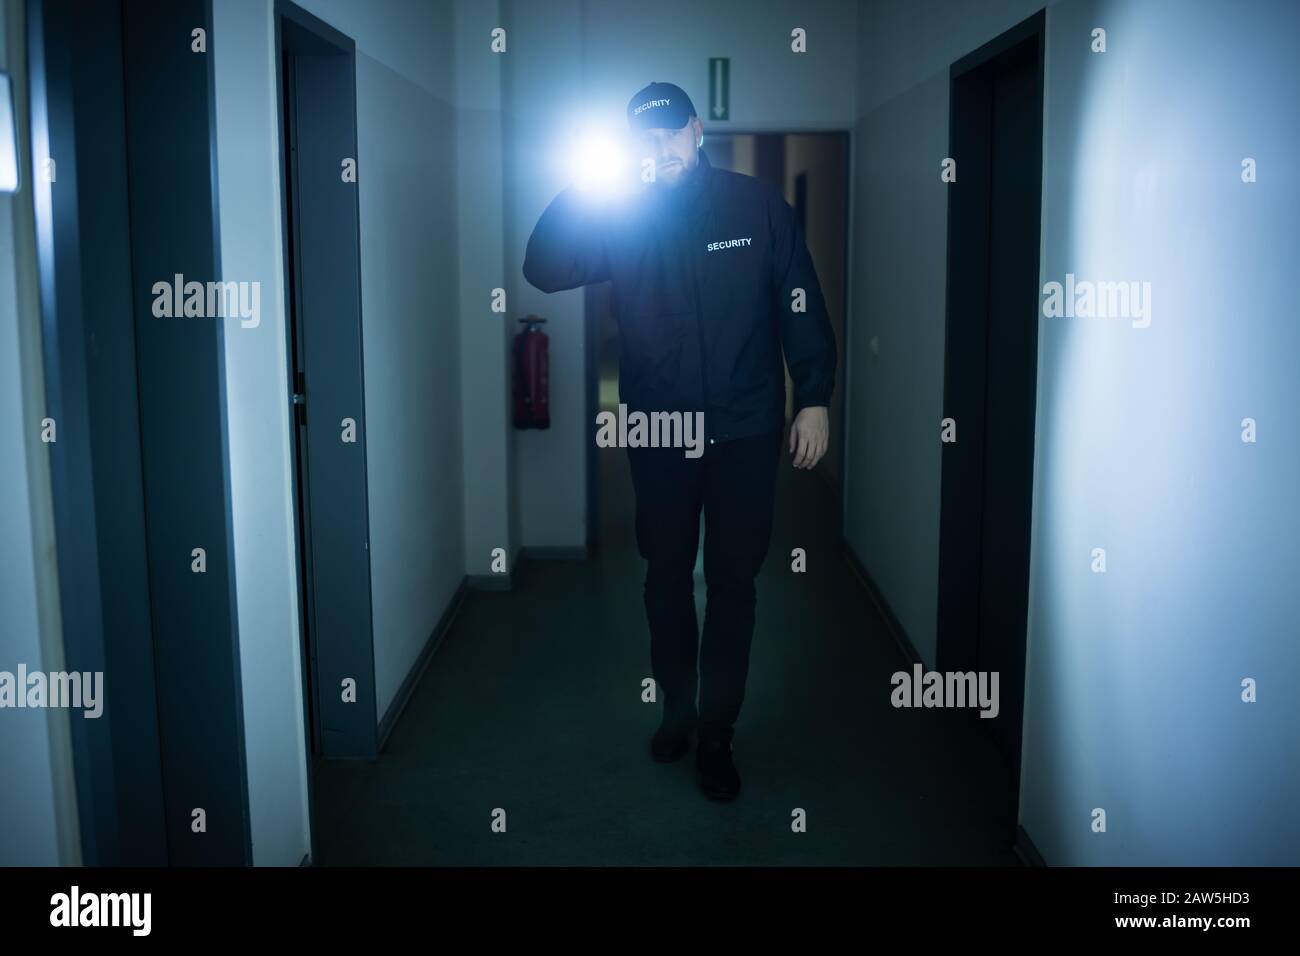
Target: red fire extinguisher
point(531, 374)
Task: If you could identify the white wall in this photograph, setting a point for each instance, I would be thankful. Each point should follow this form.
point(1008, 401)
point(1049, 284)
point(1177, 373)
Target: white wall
point(575, 63)
point(38, 812)
point(900, 229)
point(488, 445)
point(628, 44)
point(409, 289)
point(891, 494)
point(1133, 700)
point(266, 586)
point(406, 176)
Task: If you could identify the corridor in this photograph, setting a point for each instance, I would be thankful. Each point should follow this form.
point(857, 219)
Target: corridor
point(532, 704)
point(309, 313)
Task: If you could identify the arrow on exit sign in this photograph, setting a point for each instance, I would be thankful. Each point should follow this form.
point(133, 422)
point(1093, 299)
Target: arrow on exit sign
point(720, 88)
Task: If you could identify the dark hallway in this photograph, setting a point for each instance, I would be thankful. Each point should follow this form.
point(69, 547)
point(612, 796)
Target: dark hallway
point(370, 372)
point(532, 704)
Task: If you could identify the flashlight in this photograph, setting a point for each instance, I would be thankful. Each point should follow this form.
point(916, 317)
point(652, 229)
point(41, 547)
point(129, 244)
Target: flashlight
point(600, 166)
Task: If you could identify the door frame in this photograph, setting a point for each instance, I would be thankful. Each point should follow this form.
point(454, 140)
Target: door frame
point(965, 362)
point(339, 730)
point(140, 475)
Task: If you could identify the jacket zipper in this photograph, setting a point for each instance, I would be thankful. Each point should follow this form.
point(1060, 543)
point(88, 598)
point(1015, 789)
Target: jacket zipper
point(697, 271)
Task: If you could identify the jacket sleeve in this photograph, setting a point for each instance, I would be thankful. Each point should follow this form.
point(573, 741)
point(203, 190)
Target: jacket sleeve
point(568, 247)
point(806, 334)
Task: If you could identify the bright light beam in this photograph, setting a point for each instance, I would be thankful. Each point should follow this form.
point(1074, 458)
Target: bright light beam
point(600, 165)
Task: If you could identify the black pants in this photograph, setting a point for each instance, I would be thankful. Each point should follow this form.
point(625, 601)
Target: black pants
point(734, 484)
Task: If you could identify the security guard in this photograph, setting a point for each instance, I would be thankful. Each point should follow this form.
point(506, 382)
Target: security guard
point(711, 283)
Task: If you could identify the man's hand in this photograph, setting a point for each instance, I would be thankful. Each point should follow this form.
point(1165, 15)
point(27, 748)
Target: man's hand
point(809, 436)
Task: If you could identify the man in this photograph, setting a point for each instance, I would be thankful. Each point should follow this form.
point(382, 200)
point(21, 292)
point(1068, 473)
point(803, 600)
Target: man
point(711, 282)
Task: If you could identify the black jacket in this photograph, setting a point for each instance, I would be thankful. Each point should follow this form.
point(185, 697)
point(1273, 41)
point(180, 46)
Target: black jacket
point(707, 269)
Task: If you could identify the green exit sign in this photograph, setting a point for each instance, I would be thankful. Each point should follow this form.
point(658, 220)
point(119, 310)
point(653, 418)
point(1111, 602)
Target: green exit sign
point(720, 88)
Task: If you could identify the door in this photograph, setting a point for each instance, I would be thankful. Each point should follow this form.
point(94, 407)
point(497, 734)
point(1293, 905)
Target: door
point(323, 266)
point(125, 208)
point(991, 368)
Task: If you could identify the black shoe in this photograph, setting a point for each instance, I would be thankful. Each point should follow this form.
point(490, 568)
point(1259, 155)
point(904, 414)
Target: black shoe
point(718, 777)
point(671, 741)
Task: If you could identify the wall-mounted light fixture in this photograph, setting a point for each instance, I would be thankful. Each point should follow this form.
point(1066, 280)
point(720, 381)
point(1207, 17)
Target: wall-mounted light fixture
point(8, 138)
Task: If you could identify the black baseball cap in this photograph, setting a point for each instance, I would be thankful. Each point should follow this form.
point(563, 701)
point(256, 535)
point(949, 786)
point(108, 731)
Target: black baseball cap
point(660, 106)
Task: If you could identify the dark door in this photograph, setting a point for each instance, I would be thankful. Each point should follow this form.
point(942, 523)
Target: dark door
point(140, 470)
point(298, 383)
point(323, 265)
point(79, 122)
point(1010, 366)
point(991, 368)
